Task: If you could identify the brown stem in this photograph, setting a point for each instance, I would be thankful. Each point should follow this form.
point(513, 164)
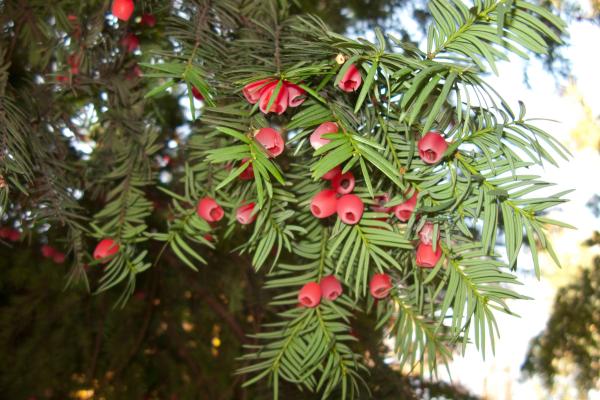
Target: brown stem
point(277, 50)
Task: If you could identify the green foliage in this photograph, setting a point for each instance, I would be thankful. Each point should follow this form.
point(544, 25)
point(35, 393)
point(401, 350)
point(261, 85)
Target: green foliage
point(478, 192)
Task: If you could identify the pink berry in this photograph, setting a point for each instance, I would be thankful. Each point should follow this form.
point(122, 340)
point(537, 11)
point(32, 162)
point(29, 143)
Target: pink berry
point(271, 140)
point(380, 285)
point(426, 257)
point(350, 209)
point(244, 214)
point(324, 204)
point(344, 183)
point(432, 147)
point(209, 210)
point(332, 174)
point(404, 211)
point(310, 295)
point(316, 138)
point(351, 80)
point(331, 288)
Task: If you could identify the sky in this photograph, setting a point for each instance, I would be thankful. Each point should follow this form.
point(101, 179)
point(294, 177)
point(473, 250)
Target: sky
point(499, 376)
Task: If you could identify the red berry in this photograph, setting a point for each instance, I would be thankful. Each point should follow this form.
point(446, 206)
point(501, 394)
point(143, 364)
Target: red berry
point(248, 173)
point(324, 204)
point(426, 233)
point(351, 79)
point(296, 95)
point(380, 285)
point(47, 251)
point(74, 60)
point(131, 42)
point(333, 173)
point(148, 20)
point(316, 138)
point(59, 257)
point(331, 288)
point(271, 140)
point(404, 211)
point(381, 201)
point(196, 93)
point(344, 183)
point(106, 248)
point(244, 214)
point(14, 235)
point(350, 209)
point(279, 104)
point(209, 210)
point(4, 233)
point(310, 295)
point(122, 9)
point(254, 90)
point(426, 257)
point(432, 147)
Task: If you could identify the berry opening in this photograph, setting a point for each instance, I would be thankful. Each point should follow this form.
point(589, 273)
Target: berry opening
point(274, 149)
point(333, 295)
point(382, 291)
point(315, 210)
point(350, 216)
point(350, 84)
point(429, 155)
point(404, 214)
point(345, 183)
point(215, 213)
point(306, 301)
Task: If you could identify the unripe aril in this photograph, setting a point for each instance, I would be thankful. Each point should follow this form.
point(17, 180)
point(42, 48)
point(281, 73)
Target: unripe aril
point(209, 210)
point(324, 204)
point(350, 209)
point(310, 295)
point(331, 288)
point(344, 183)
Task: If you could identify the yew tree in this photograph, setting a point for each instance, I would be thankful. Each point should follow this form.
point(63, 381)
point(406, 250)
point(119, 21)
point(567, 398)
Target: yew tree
point(356, 177)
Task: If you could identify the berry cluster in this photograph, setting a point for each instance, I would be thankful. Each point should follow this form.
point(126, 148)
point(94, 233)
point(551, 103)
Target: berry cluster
point(50, 252)
point(329, 287)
